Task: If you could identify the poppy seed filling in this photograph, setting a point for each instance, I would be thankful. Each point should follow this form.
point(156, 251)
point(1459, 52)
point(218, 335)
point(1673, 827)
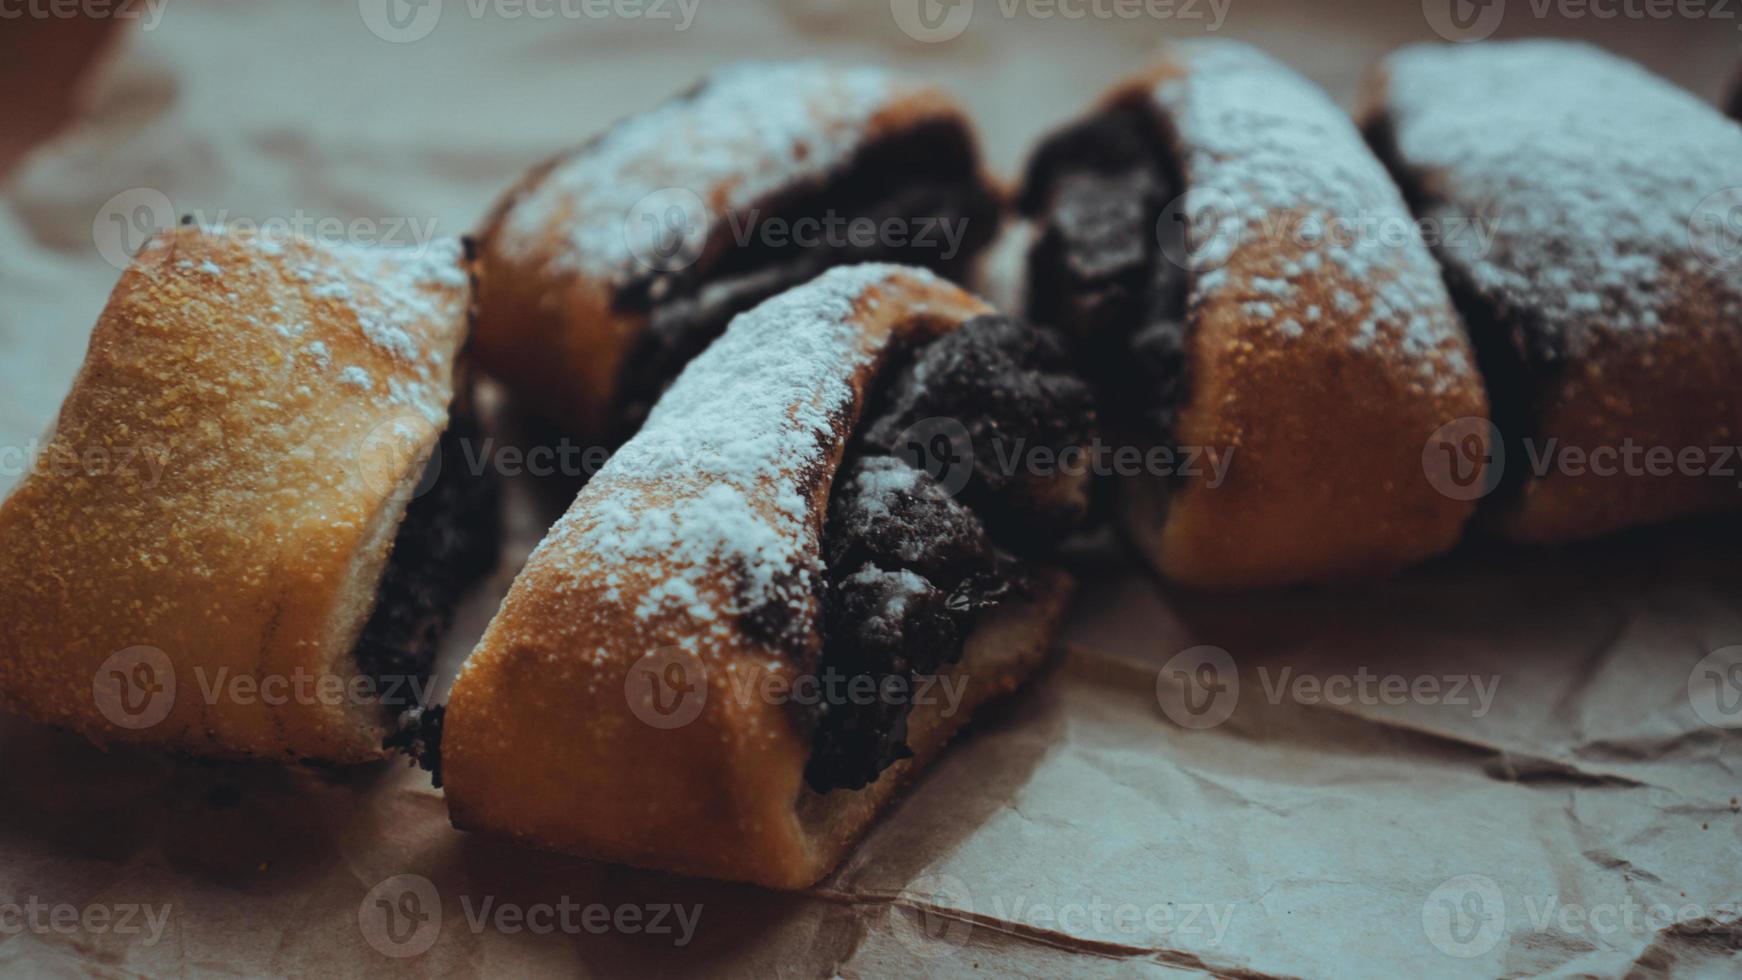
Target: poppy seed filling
point(914, 197)
point(1106, 265)
point(910, 567)
point(449, 539)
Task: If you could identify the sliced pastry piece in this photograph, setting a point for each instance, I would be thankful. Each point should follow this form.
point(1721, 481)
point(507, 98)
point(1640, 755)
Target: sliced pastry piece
point(237, 541)
point(761, 617)
point(1271, 340)
point(1603, 284)
point(609, 267)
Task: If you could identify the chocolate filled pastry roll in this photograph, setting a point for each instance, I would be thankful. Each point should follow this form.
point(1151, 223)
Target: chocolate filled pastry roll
point(761, 617)
point(231, 544)
point(1604, 289)
point(1261, 319)
point(609, 267)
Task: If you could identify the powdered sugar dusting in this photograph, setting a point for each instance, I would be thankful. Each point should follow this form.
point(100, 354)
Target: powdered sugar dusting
point(356, 377)
point(390, 291)
point(749, 130)
point(722, 451)
point(1266, 154)
point(1588, 167)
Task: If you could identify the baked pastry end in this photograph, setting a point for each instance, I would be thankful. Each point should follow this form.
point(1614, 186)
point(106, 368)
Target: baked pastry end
point(722, 796)
point(249, 426)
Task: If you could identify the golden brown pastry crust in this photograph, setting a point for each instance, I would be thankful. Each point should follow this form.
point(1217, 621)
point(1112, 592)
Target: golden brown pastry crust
point(256, 371)
point(1317, 395)
point(1593, 174)
point(544, 738)
point(550, 325)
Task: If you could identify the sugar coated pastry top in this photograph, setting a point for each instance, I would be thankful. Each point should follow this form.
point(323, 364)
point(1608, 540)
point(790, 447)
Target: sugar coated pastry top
point(727, 466)
point(1588, 170)
point(742, 133)
point(1266, 154)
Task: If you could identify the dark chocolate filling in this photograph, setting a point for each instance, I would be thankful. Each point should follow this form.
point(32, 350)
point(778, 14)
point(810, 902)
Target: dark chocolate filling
point(926, 179)
point(909, 566)
point(449, 539)
point(1105, 267)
